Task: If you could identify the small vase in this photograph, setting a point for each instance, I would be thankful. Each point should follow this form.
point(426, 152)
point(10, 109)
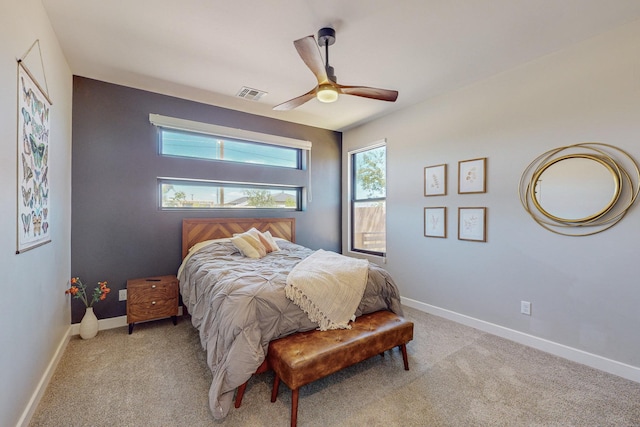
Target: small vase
point(88, 325)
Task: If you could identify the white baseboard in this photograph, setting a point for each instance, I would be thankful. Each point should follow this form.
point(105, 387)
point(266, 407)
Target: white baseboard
point(593, 360)
point(103, 324)
point(30, 409)
point(110, 323)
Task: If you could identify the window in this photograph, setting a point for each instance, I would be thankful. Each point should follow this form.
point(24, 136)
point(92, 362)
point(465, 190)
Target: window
point(263, 157)
point(186, 138)
point(199, 146)
point(190, 194)
point(368, 200)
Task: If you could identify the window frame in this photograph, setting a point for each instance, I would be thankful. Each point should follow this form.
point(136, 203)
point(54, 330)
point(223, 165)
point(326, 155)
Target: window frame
point(299, 164)
point(353, 200)
point(299, 193)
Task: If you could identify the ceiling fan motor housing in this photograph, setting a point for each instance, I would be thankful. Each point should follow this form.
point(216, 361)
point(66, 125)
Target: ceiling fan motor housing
point(326, 36)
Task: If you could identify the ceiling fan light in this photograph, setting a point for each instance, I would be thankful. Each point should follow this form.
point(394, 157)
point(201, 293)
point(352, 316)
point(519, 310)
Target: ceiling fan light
point(327, 93)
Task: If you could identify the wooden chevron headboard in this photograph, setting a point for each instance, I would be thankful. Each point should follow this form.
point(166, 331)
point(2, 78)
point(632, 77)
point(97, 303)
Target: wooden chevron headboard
point(196, 230)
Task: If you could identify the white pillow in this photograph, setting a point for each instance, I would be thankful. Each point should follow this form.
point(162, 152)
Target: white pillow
point(195, 248)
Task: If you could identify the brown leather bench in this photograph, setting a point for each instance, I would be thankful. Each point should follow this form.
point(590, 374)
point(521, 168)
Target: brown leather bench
point(304, 357)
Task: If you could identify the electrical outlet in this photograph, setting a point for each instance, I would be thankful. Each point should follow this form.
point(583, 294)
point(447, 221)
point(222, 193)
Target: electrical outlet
point(122, 295)
point(525, 307)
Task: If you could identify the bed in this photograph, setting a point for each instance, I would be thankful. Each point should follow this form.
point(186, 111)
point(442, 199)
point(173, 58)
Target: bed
point(238, 304)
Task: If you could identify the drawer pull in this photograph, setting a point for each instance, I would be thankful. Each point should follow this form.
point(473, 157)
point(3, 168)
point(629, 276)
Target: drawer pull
point(153, 303)
point(153, 286)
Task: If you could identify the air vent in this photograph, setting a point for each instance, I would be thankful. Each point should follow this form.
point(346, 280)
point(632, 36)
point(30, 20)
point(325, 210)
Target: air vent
point(250, 94)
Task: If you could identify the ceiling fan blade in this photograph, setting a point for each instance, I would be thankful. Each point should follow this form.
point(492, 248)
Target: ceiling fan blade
point(308, 50)
point(296, 102)
point(370, 92)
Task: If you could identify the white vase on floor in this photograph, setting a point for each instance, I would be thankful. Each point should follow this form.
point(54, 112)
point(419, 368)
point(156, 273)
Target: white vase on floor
point(88, 325)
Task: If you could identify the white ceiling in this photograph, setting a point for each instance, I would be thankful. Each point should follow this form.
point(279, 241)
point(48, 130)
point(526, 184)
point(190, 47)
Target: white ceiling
point(206, 50)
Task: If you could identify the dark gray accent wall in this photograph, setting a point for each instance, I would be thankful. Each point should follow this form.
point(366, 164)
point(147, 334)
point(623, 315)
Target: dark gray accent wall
point(117, 230)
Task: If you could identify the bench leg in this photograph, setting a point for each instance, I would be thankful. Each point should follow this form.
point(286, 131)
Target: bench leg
point(240, 393)
point(403, 348)
point(294, 407)
point(274, 390)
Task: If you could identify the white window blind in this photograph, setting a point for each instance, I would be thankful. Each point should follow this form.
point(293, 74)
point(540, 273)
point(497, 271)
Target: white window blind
point(223, 131)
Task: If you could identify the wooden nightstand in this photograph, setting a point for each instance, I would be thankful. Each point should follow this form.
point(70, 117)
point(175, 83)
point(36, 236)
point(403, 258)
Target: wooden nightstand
point(151, 298)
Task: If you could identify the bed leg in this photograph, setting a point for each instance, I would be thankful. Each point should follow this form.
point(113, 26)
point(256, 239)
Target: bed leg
point(240, 394)
point(294, 407)
point(274, 391)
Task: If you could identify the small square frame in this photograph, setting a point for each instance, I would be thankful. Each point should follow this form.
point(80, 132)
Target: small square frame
point(435, 222)
point(472, 224)
point(435, 180)
point(472, 177)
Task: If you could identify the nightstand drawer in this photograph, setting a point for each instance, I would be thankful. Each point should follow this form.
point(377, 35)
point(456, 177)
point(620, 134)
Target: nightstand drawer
point(153, 309)
point(139, 292)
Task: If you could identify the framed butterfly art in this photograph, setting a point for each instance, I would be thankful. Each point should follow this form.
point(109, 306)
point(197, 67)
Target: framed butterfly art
point(34, 109)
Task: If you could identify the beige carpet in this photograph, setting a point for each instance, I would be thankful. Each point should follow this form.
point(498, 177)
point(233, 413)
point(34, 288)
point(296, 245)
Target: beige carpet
point(459, 377)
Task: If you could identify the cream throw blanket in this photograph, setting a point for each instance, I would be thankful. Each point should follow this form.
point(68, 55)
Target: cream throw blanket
point(328, 287)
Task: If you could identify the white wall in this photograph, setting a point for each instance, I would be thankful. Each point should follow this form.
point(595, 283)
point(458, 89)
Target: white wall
point(34, 312)
point(584, 290)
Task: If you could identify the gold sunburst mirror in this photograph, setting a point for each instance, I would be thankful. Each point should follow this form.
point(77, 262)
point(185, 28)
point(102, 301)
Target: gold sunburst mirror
point(570, 188)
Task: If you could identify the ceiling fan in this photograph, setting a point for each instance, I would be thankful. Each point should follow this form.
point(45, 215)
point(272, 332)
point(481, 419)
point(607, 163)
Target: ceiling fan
point(328, 88)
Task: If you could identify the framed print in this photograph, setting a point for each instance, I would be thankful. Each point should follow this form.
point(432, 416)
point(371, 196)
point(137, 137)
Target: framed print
point(33, 163)
point(472, 176)
point(472, 224)
point(435, 180)
point(435, 222)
